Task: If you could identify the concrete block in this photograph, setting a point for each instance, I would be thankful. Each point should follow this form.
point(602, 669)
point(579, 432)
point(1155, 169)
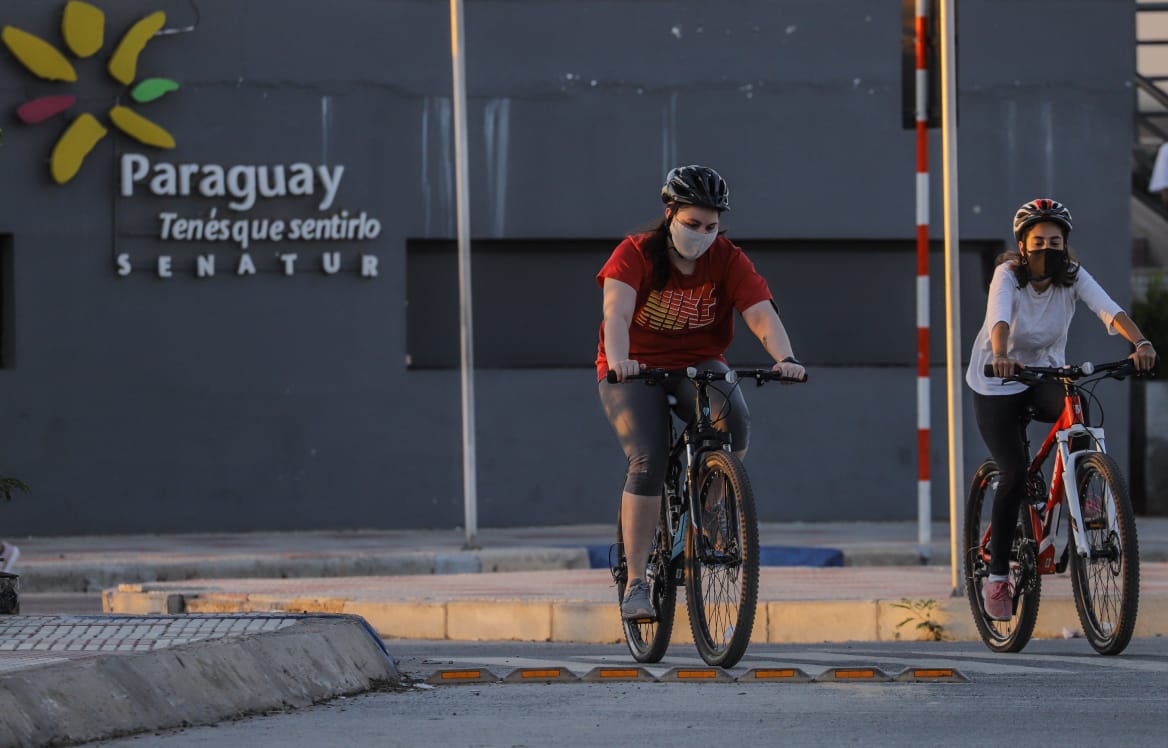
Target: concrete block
point(404, 620)
point(597, 623)
point(218, 604)
point(1152, 618)
point(205, 682)
point(142, 603)
point(465, 562)
point(1056, 617)
point(896, 622)
point(482, 620)
point(313, 605)
point(683, 632)
point(532, 559)
point(820, 621)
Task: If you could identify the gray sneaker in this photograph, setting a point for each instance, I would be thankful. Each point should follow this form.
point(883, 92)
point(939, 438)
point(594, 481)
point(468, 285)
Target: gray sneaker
point(636, 604)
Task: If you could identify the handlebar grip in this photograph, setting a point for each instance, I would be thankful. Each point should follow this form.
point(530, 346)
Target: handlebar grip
point(988, 370)
point(611, 377)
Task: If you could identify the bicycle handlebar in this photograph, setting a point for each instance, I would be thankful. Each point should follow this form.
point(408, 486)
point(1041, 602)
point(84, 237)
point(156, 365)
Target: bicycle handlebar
point(651, 376)
point(1069, 373)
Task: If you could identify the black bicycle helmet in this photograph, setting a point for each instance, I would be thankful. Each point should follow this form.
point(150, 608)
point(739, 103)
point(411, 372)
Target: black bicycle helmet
point(696, 185)
point(1039, 211)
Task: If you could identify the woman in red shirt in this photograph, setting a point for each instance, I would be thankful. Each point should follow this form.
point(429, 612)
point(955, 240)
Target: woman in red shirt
point(669, 301)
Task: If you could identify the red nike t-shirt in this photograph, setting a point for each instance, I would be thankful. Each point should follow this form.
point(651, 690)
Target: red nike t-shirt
point(692, 318)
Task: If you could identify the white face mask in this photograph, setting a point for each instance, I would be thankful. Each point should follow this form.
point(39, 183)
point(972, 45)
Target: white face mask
point(689, 243)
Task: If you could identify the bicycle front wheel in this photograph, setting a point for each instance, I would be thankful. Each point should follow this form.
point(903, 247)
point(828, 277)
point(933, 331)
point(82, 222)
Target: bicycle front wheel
point(648, 640)
point(1107, 582)
point(1011, 635)
point(721, 561)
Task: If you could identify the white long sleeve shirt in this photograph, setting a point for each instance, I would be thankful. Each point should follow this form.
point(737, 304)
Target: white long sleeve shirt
point(1038, 325)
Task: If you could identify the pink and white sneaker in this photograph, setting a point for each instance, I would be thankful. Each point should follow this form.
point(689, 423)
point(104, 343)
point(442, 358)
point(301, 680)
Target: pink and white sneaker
point(998, 600)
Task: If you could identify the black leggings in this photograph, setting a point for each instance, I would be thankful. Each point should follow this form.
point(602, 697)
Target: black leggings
point(638, 416)
point(999, 418)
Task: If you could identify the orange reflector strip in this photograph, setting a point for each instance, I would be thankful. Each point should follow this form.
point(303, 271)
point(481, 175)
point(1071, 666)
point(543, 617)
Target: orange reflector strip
point(461, 674)
point(541, 673)
point(697, 674)
point(618, 673)
point(841, 674)
point(946, 673)
point(763, 674)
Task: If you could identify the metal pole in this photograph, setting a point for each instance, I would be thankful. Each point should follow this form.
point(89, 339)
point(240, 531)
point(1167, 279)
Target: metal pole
point(952, 280)
point(465, 328)
point(924, 485)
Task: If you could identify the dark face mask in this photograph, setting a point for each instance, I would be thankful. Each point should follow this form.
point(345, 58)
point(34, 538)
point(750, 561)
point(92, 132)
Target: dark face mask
point(1046, 263)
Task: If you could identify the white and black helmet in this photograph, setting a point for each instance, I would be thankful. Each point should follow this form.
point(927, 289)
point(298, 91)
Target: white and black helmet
point(1040, 211)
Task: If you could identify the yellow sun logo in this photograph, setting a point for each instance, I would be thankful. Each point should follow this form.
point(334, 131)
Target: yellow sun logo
point(83, 28)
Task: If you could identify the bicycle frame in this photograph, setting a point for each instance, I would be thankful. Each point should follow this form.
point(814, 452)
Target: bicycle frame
point(1063, 489)
point(692, 441)
point(1069, 425)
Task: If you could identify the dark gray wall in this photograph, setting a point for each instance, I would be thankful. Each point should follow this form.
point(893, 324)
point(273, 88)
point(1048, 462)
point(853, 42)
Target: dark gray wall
point(273, 402)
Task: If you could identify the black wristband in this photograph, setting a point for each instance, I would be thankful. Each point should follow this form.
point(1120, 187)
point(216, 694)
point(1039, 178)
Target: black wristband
point(791, 360)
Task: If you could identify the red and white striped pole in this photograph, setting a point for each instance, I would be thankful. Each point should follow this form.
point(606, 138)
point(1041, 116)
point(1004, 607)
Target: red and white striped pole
point(924, 493)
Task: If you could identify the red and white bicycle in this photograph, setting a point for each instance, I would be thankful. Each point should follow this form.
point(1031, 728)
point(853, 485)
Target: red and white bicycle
point(1089, 496)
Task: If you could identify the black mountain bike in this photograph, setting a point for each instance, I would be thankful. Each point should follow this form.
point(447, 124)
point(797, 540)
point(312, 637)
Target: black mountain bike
point(706, 538)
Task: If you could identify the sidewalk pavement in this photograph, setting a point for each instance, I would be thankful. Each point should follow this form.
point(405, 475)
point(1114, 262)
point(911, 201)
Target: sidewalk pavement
point(820, 582)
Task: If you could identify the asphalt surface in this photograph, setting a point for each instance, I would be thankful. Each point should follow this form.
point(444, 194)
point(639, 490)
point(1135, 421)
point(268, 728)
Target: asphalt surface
point(288, 619)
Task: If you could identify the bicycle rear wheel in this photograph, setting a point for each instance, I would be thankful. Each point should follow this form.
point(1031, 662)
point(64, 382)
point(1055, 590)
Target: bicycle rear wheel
point(1000, 636)
point(1106, 583)
point(648, 640)
point(721, 561)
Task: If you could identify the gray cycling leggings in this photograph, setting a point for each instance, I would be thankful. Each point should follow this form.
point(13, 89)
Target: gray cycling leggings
point(638, 411)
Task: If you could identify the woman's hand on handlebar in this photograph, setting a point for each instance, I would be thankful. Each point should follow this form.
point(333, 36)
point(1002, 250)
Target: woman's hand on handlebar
point(1144, 358)
point(1004, 366)
point(625, 369)
point(790, 370)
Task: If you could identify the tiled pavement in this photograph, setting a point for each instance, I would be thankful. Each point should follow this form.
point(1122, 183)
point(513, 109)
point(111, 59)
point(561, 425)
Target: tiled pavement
point(30, 641)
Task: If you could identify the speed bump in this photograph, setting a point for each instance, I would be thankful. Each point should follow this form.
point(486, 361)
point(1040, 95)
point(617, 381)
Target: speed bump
point(930, 675)
point(461, 676)
point(608, 673)
point(853, 675)
point(774, 675)
point(697, 675)
point(541, 675)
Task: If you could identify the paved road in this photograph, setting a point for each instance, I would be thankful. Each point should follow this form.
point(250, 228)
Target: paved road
point(1055, 691)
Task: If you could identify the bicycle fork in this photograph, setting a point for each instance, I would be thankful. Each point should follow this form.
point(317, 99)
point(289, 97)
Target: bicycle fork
point(1070, 461)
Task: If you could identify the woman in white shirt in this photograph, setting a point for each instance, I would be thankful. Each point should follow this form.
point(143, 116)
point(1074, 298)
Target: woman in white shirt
point(1031, 301)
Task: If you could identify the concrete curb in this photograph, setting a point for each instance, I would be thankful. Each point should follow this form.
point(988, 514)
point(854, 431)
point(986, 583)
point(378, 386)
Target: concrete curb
point(546, 617)
point(92, 576)
point(204, 682)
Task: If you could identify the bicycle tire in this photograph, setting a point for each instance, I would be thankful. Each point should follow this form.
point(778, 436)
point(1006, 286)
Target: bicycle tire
point(647, 641)
point(1000, 636)
point(721, 569)
point(1107, 585)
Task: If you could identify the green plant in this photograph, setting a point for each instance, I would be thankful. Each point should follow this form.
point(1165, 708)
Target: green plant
point(922, 612)
point(8, 485)
point(1151, 314)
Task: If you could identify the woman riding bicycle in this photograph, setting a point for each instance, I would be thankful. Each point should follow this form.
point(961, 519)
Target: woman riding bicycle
point(1028, 313)
point(669, 299)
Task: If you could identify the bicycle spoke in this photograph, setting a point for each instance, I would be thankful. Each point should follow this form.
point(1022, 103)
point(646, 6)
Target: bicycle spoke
point(722, 563)
point(1106, 582)
point(1011, 635)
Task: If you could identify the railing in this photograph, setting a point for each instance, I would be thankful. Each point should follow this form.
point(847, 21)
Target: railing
point(1151, 119)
